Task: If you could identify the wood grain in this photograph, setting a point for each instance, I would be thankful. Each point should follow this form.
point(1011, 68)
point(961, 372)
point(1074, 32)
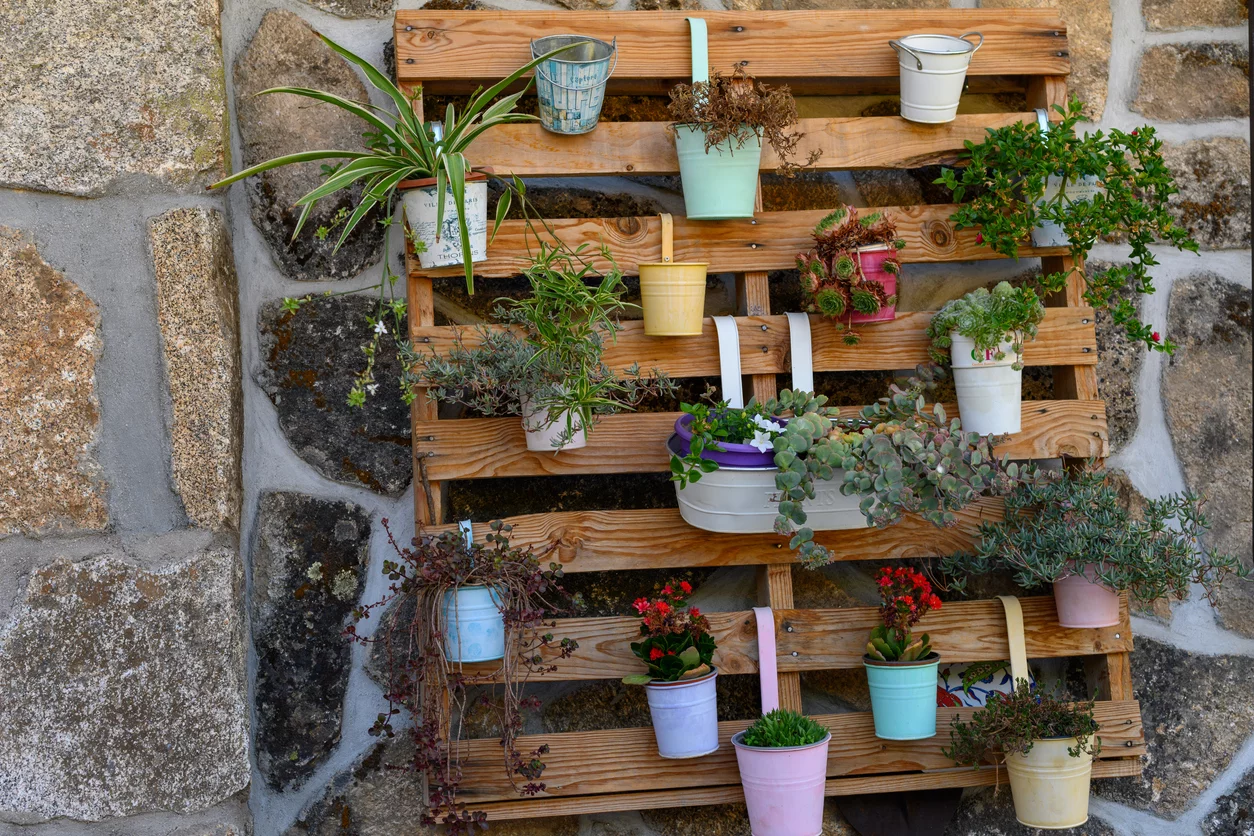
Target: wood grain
point(835, 639)
point(582, 763)
point(487, 45)
point(483, 448)
point(1066, 338)
point(768, 241)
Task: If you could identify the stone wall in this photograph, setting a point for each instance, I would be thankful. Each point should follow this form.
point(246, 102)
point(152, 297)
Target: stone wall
point(188, 510)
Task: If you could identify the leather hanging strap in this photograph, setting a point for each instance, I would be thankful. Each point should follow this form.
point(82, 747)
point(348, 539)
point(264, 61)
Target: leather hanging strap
point(1014, 632)
point(729, 360)
point(768, 673)
point(802, 353)
point(668, 237)
point(700, 50)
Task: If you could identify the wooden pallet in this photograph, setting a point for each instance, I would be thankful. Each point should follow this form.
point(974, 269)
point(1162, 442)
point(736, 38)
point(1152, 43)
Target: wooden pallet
point(817, 53)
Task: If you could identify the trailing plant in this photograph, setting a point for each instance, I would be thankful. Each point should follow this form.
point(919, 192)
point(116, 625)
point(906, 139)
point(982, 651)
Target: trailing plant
point(716, 423)
point(782, 728)
point(549, 351)
point(736, 107)
point(831, 274)
point(1074, 522)
point(906, 597)
point(676, 641)
point(1011, 724)
point(1006, 314)
point(1009, 179)
point(424, 684)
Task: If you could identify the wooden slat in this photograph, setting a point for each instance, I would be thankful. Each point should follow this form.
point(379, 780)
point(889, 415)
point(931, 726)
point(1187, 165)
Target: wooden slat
point(600, 541)
point(487, 45)
point(619, 148)
point(581, 763)
point(962, 631)
point(700, 796)
point(1066, 338)
point(481, 448)
point(768, 241)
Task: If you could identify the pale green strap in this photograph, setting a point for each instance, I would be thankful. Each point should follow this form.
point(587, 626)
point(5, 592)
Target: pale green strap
point(1014, 633)
point(700, 50)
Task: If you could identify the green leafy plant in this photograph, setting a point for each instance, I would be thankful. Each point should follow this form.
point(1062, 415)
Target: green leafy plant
point(1006, 314)
point(782, 728)
point(549, 350)
point(1073, 522)
point(1008, 177)
point(831, 274)
point(716, 423)
point(677, 643)
point(1011, 724)
point(736, 107)
point(906, 597)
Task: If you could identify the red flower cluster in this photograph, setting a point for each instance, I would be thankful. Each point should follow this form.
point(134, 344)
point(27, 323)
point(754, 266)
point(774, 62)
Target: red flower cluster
point(668, 614)
point(907, 597)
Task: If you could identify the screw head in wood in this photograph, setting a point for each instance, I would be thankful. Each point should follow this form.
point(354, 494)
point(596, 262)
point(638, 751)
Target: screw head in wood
point(763, 327)
point(795, 653)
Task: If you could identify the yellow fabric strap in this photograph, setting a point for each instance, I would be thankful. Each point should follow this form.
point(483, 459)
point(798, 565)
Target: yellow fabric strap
point(668, 238)
point(1014, 632)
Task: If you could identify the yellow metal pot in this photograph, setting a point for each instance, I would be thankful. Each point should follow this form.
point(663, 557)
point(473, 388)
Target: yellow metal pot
point(672, 295)
point(1051, 788)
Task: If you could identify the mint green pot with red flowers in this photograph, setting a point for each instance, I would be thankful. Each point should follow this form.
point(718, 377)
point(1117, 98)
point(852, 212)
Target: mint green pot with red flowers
point(900, 667)
point(678, 650)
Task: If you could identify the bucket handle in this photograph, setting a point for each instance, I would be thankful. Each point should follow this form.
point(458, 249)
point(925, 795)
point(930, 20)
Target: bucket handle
point(729, 361)
point(595, 84)
point(1014, 634)
point(802, 352)
point(899, 45)
point(976, 48)
point(668, 237)
point(768, 675)
point(700, 50)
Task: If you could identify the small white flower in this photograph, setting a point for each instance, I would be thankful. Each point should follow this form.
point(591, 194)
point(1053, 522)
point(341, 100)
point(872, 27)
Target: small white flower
point(762, 441)
point(380, 328)
point(767, 424)
point(372, 388)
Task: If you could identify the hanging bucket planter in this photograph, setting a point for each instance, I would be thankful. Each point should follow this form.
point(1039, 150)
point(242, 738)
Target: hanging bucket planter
point(1084, 602)
point(685, 716)
point(571, 88)
point(721, 183)
point(783, 787)
point(989, 390)
point(672, 295)
point(871, 259)
point(1051, 788)
point(933, 69)
point(419, 198)
point(903, 697)
point(473, 625)
point(542, 432)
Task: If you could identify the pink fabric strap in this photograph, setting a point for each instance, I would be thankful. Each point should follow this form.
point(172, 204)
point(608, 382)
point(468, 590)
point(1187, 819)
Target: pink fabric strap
point(768, 674)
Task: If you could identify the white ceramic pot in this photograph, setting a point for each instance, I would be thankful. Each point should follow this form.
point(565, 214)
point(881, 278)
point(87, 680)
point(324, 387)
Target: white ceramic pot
point(933, 69)
point(1051, 788)
point(685, 716)
point(989, 390)
point(543, 433)
point(473, 624)
point(420, 214)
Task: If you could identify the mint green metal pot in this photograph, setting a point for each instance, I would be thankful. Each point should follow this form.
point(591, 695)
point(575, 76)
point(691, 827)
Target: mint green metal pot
point(721, 184)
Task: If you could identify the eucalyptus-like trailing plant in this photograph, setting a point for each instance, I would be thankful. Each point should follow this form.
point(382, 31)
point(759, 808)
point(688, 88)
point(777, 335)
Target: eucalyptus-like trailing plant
point(1073, 522)
point(1006, 314)
point(1011, 724)
point(548, 352)
point(782, 728)
point(434, 691)
point(1008, 177)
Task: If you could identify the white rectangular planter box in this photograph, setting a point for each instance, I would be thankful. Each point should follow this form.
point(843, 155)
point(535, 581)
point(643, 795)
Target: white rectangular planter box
point(735, 500)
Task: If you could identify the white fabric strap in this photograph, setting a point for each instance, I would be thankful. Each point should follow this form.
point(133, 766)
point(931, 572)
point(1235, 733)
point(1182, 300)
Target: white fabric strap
point(729, 360)
point(802, 353)
point(1014, 633)
point(768, 673)
point(1042, 119)
point(468, 532)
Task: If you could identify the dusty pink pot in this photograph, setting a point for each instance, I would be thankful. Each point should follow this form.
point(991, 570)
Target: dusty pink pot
point(1082, 602)
point(872, 261)
point(783, 787)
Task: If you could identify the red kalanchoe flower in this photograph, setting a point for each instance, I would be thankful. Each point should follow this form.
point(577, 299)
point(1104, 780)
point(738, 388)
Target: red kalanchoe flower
point(655, 654)
point(662, 607)
point(641, 604)
point(979, 239)
point(1154, 336)
point(686, 587)
point(694, 612)
point(666, 590)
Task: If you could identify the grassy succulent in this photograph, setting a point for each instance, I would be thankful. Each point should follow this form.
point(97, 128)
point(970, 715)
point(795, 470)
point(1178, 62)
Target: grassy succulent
point(990, 318)
point(781, 728)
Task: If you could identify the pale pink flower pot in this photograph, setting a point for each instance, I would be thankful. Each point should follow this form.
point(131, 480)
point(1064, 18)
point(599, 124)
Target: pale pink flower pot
point(783, 787)
point(1083, 602)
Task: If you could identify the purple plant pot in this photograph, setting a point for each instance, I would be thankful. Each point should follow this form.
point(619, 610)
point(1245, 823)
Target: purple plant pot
point(873, 268)
point(732, 455)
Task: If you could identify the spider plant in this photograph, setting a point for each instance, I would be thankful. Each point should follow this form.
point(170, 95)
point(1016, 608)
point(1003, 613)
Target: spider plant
point(402, 146)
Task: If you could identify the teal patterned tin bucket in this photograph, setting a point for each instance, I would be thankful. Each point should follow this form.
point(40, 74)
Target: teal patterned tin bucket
point(903, 698)
point(572, 87)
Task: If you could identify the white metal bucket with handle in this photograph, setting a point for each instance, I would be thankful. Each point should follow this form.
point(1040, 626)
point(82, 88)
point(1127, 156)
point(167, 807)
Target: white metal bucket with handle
point(990, 391)
point(933, 69)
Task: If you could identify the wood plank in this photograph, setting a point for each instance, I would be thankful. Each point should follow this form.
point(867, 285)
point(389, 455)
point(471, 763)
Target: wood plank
point(482, 448)
point(1066, 338)
point(487, 45)
point(527, 808)
point(600, 541)
point(619, 148)
point(582, 763)
point(830, 639)
point(768, 241)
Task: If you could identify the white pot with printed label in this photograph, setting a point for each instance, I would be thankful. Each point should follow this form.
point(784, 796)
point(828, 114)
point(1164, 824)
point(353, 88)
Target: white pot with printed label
point(989, 390)
point(419, 198)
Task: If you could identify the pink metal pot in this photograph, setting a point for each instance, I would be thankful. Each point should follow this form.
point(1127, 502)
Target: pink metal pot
point(872, 261)
point(1083, 602)
point(783, 787)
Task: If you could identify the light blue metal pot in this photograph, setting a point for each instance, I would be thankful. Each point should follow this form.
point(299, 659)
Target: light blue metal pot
point(721, 184)
point(571, 87)
point(903, 697)
point(473, 624)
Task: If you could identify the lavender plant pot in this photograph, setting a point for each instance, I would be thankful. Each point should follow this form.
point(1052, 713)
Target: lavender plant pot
point(685, 716)
point(732, 455)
